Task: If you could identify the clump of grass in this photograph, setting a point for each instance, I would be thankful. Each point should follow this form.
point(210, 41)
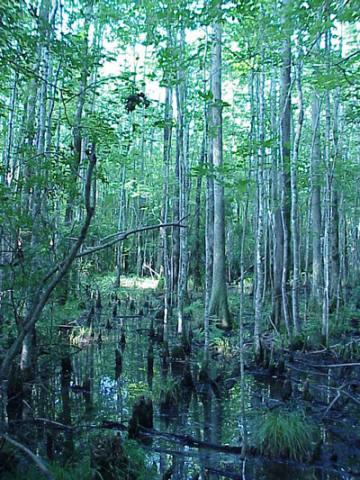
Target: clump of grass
point(80, 335)
point(285, 435)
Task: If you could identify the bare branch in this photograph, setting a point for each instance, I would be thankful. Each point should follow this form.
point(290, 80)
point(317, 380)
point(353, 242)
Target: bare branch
point(32, 455)
point(347, 58)
point(123, 235)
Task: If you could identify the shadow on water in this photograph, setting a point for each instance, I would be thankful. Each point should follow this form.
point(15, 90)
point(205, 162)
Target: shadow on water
point(105, 379)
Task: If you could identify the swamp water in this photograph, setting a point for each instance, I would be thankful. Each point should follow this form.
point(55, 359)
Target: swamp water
point(99, 398)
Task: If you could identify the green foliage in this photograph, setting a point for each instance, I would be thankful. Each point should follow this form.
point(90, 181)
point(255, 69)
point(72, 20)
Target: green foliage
point(346, 320)
point(195, 309)
point(223, 346)
point(287, 435)
point(311, 332)
point(138, 461)
point(161, 284)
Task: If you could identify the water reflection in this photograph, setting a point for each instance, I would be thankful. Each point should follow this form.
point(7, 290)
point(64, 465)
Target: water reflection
point(98, 387)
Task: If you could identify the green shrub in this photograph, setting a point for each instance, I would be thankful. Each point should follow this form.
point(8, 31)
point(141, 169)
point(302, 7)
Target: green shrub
point(286, 435)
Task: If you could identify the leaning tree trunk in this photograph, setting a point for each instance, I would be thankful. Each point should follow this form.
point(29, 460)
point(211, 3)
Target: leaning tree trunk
point(218, 301)
point(51, 279)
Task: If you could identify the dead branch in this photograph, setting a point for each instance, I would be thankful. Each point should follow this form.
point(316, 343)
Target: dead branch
point(335, 365)
point(332, 403)
point(52, 422)
point(151, 270)
point(37, 460)
point(123, 235)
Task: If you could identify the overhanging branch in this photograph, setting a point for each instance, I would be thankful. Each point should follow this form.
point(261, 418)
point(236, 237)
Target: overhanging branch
point(121, 236)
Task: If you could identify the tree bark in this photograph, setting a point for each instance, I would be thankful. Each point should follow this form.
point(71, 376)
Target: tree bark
point(218, 301)
point(315, 179)
point(259, 270)
point(166, 158)
point(294, 206)
point(285, 130)
point(183, 183)
point(327, 205)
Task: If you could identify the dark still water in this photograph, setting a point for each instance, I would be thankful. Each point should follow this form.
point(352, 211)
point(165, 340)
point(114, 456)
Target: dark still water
point(97, 396)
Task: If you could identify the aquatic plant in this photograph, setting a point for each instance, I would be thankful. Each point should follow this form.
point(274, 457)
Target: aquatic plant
point(281, 434)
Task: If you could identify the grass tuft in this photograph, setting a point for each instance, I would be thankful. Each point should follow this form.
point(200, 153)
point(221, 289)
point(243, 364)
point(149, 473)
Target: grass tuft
point(284, 435)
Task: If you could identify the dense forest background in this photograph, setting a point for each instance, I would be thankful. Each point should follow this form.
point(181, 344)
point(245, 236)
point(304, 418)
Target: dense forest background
point(212, 146)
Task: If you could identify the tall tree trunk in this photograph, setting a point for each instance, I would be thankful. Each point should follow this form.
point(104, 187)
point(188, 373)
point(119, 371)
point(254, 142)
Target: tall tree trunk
point(166, 158)
point(294, 206)
point(243, 430)
point(197, 233)
point(285, 130)
point(327, 204)
point(36, 201)
point(315, 173)
point(121, 224)
point(77, 130)
point(259, 271)
point(335, 218)
point(218, 301)
point(183, 182)
point(175, 256)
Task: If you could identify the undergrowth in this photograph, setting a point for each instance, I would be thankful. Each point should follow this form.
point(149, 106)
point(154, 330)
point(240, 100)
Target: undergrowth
point(286, 435)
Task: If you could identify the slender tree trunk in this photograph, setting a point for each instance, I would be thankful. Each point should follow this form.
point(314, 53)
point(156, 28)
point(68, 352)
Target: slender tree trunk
point(315, 173)
point(208, 270)
point(259, 270)
point(141, 198)
point(307, 259)
point(327, 204)
point(7, 152)
point(183, 183)
point(37, 201)
point(175, 257)
point(294, 207)
point(243, 431)
point(285, 130)
point(209, 210)
point(218, 301)
point(77, 130)
point(197, 243)
point(166, 158)
point(121, 223)
point(335, 218)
